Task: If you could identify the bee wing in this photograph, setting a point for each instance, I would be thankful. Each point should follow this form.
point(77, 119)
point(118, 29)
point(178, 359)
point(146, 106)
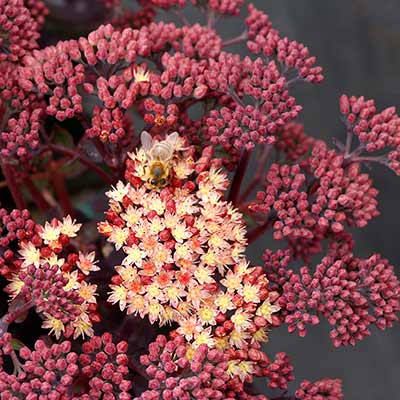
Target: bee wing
point(147, 141)
point(162, 151)
point(172, 138)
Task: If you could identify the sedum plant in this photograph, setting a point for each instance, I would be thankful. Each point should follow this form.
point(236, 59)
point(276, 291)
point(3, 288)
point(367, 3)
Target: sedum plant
point(139, 162)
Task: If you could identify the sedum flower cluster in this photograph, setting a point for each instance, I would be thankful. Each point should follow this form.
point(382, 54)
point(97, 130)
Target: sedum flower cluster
point(139, 160)
point(183, 255)
point(98, 371)
point(56, 286)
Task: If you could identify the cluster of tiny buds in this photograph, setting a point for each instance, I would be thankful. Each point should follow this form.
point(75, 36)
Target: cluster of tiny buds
point(45, 286)
point(263, 39)
point(344, 193)
point(209, 373)
point(290, 204)
point(351, 295)
point(206, 378)
point(376, 131)
point(200, 40)
point(105, 364)
point(294, 143)
point(237, 126)
point(15, 226)
point(339, 194)
point(53, 372)
point(20, 133)
point(19, 31)
point(327, 389)
point(38, 11)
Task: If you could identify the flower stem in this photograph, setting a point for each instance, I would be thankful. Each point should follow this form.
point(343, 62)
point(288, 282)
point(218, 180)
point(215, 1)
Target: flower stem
point(181, 16)
point(231, 92)
point(10, 176)
point(58, 180)
point(257, 177)
point(239, 176)
point(349, 140)
point(11, 316)
point(239, 39)
point(17, 364)
point(90, 164)
point(211, 18)
point(36, 194)
point(256, 232)
point(378, 159)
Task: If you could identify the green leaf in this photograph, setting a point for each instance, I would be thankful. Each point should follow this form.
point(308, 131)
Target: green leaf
point(62, 137)
point(16, 344)
point(249, 221)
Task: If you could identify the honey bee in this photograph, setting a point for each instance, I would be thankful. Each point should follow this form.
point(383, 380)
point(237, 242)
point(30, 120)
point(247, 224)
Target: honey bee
point(159, 155)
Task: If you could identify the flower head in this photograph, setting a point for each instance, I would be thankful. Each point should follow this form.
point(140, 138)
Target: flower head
point(86, 262)
point(179, 242)
point(56, 285)
point(140, 74)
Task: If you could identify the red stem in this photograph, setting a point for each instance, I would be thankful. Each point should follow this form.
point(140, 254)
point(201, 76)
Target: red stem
point(91, 165)
point(349, 139)
point(11, 316)
point(256, 232)
point(10, 176)
point(36, 194)
point(58, 180)
point(17, 364)
point(257, 177)
point(239, 176)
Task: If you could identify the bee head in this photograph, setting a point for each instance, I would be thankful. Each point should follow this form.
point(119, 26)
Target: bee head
point(159, 183)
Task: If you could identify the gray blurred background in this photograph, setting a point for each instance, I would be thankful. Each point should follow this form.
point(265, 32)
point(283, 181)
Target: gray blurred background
point(357, 42)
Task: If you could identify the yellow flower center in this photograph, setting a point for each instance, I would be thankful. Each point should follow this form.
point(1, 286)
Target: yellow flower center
point(206, 314)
